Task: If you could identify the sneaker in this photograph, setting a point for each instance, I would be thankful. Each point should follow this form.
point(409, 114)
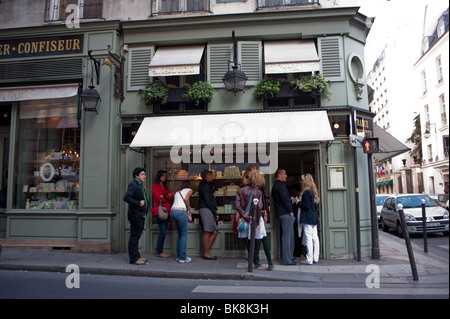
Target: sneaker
point(270, 267)
point(139, 262)
point(304, 262)
point(187, 260)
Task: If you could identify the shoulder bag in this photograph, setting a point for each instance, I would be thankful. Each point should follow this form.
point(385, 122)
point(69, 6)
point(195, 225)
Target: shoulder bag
point(242, 224)
point(163, 213)
point(188, 210)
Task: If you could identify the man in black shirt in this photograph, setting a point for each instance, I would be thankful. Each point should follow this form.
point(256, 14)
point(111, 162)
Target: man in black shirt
point(285, 215)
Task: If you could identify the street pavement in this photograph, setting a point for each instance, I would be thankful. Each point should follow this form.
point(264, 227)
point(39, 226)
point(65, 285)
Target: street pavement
point(393, 267)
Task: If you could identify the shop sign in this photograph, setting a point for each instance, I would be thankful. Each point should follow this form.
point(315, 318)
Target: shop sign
point(364, 127)
point(291, 67)
point(42, 46)
point(174, 70)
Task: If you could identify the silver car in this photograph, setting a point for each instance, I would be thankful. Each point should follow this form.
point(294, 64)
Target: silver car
point(380, 201)
point(437, 216)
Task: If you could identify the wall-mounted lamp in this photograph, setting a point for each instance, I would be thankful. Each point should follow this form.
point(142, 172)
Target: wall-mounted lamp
point(234, 79)
point(90, 98)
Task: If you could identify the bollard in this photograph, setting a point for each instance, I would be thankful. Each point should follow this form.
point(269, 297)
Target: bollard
point(424, 224)
point(251, 248)
point(412, 261)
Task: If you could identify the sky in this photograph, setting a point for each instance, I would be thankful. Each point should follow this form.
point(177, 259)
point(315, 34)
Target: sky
point(397, 20)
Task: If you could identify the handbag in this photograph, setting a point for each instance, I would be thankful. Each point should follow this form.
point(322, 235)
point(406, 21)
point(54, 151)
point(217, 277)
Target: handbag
point(242, 224)
point(163, 213)
point(189, 210)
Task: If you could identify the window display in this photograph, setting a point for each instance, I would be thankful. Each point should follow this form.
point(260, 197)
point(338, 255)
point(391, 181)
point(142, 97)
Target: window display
point(227, 180)
point(47, 155)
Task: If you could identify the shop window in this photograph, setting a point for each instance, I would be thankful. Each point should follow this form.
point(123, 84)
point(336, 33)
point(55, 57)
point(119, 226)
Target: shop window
point(227, 178)
point(47, 155)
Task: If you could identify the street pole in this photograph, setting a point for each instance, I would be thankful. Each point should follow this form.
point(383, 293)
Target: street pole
point(412, 261)
point(355, 173)
point(424, 226)
point(373, 210)
point(251, 248)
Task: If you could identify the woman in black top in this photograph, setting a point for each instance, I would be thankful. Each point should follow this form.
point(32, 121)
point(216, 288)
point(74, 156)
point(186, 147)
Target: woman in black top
point(208, 213)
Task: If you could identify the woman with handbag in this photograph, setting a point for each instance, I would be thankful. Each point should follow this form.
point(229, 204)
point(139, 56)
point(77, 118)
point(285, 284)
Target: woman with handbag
point(251, 189)
point(179, 215)
point(161, 196)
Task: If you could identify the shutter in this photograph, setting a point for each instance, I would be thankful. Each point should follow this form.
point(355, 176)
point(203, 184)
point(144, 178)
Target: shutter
point(250, 58)
point(139, 59)
point(218, 57)
point(92, 8)
point(62, 8)
point(331, 58)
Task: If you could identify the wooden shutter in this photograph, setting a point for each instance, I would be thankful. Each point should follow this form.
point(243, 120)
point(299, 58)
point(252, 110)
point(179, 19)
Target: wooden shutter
point(92, 8)
point(331, 58)
point(139, 59)
point(62, 8)
point(218, 57)
point(250, 58)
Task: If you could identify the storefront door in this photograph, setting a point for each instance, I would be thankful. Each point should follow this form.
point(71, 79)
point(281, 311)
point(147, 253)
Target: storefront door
point(296, 163)
point(5, 122)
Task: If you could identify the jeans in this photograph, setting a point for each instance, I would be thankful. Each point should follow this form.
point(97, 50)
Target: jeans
point(287, 238)
point(163, 225)
point(312, 243)
point(137, 223)
point(180, 221)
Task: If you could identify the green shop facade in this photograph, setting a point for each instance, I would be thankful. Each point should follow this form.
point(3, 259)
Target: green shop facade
point(80, 208)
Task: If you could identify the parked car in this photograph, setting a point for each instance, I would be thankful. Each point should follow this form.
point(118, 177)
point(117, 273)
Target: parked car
point(380, 201)
point(440, 198)
point(437, 216)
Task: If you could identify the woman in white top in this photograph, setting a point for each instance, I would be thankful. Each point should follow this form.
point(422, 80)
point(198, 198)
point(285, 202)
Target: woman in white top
point(178, 213)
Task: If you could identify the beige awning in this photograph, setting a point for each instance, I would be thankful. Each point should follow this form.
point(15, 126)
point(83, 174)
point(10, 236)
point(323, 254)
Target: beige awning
point(388, 145)
point(234, 128)
point(290, 56)
point(38, 92)
point(183, 60)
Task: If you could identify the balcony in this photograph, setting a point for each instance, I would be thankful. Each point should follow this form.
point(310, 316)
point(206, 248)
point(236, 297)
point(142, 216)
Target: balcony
point(277, 3)
point(179, 6)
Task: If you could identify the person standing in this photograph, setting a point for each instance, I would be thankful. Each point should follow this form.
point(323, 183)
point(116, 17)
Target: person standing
point(285, 215)
point(136, 198)
point(208, 213)
point(179, 217)
point(253, 182)
point(309, 197)
point(161, 194)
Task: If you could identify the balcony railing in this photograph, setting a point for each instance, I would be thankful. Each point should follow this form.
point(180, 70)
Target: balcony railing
point(276, 3)
point(179, 6)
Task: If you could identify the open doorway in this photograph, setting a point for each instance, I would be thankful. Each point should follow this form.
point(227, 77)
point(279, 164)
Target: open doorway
point(296, 163)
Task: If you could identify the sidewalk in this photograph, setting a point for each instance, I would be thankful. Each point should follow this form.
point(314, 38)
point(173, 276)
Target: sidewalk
point(394, 267)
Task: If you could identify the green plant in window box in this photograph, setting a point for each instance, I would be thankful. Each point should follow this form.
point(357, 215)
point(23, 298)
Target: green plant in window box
point(267, 88)
point(155, 93)
point(199, 92)
point(312, 84)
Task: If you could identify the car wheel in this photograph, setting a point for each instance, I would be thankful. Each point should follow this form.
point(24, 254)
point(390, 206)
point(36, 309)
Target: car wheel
point(384, 227)
point(400, 230)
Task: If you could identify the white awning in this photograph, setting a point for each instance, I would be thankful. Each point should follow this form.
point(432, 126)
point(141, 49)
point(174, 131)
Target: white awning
point(290, 56)
point(27, 93)
point(184, 60)
point(236, 128)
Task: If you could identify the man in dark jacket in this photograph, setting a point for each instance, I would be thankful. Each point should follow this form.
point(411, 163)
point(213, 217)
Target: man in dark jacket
point(283, 207)
point(136, 198)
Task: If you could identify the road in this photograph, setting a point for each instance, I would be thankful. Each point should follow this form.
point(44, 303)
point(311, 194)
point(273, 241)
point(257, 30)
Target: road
point(52, 285)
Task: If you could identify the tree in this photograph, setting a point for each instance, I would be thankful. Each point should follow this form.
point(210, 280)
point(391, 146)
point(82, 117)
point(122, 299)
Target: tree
point(416, 140)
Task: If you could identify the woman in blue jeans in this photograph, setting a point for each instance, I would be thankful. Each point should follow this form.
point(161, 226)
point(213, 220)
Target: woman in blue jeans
point(179, 217)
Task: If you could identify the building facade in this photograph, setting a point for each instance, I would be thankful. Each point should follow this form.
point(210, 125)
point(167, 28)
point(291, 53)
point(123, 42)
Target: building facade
point(432, 74)
point(71, 166)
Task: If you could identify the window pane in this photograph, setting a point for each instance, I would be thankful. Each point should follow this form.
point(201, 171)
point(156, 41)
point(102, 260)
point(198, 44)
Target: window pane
point(47, 156)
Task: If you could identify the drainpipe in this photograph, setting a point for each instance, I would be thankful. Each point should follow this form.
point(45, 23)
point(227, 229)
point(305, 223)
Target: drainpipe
point(355, 168)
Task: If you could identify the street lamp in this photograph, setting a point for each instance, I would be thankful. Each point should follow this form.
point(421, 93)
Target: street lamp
point(234, 79)
point(90, 97)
